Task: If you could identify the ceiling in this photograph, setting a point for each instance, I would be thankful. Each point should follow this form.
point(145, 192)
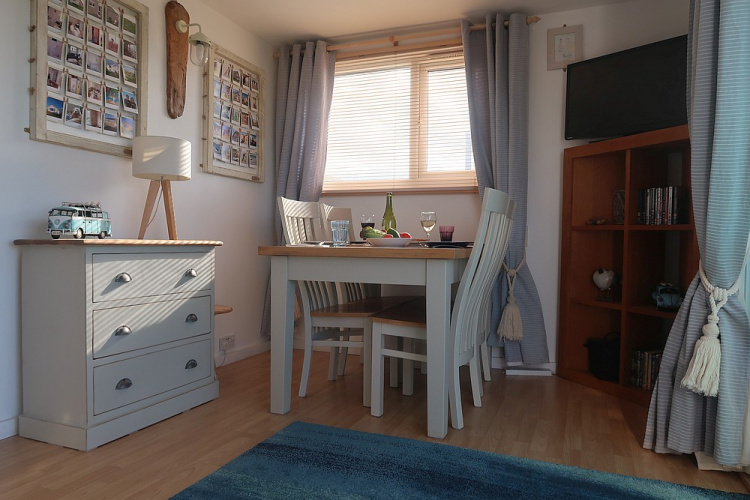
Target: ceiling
point(283, 21)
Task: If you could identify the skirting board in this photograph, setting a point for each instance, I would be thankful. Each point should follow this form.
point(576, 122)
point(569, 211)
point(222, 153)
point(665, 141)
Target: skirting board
point(9, 428)
point(522, 370)
point(221, 359)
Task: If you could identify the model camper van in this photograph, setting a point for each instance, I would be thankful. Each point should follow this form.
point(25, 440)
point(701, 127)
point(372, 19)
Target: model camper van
point(79, 219)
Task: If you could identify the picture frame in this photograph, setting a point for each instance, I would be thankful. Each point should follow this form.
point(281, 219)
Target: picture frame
point(232, 141)
point(564, 46)
point(85, 94)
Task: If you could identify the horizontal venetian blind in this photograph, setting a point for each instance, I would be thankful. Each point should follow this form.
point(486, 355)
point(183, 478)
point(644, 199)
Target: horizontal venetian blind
point(400, 122)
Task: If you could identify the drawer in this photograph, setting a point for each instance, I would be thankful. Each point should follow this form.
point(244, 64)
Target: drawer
point(148, 375)
point(123, 329)
point(128, 276)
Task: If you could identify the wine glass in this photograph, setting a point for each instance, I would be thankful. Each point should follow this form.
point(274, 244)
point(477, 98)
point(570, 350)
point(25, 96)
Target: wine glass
point(366, 221)
point(428, 221)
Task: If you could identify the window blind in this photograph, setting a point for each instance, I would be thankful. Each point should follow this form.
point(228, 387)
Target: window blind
point(400, 122)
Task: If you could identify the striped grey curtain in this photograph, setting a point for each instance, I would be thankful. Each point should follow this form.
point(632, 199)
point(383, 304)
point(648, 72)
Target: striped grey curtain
point(497, 76)
point(304, 88)
point(680, 420)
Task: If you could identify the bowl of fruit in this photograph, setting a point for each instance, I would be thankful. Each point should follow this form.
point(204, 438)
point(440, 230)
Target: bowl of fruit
point(389, 238)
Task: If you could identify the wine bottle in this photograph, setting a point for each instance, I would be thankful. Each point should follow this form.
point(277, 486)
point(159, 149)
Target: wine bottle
point(389, 218)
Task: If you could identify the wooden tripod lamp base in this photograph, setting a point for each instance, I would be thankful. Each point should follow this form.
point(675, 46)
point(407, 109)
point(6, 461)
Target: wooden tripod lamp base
point(162, 160)
point(153, 191)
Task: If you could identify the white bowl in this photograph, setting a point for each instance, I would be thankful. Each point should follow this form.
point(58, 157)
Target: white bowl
point(389, 242)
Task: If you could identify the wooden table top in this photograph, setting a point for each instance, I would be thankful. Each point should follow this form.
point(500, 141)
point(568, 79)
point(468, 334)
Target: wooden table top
point(116, 242)
point(366, 251)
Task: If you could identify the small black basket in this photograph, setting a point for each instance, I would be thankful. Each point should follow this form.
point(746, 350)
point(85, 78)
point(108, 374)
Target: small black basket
point(604, 357)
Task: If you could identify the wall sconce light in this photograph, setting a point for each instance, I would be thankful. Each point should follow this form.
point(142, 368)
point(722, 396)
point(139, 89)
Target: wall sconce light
point(200, 45)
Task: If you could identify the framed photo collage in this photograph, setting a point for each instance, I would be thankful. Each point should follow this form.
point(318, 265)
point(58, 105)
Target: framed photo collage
point(234, 117)
point(91, 57)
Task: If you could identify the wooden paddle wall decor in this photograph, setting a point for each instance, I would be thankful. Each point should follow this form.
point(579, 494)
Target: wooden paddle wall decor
point(177, 56)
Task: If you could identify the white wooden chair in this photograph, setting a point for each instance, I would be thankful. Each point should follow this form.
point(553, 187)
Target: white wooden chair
point(332, 318)
point(469, 318)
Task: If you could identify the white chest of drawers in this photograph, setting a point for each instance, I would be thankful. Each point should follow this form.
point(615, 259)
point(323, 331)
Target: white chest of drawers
point(116, 335)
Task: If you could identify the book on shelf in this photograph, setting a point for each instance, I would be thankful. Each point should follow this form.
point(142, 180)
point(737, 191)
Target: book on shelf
point(644, 368)
point(666, 205)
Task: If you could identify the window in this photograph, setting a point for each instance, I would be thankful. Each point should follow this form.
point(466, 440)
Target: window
point(400, 122)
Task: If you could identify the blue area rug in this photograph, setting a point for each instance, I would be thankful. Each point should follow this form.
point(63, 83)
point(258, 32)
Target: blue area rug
point(314, 461)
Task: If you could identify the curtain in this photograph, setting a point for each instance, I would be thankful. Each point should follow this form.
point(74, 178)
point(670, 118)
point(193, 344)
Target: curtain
point(304, 87)
point(497, 76)
point(681, 420)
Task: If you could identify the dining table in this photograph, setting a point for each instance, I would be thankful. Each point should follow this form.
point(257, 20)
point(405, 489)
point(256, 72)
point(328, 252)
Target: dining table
point(437, 269)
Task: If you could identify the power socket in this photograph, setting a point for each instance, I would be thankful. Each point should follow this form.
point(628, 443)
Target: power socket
point(226, 343)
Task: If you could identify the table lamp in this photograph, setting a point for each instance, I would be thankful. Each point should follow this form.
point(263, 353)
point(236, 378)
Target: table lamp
point(161, 159)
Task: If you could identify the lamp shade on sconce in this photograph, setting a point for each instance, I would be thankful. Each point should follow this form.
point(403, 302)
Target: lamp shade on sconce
point(161, 158)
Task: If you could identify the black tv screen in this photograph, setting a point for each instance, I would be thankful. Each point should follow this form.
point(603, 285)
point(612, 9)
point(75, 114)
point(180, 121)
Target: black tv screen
point(627, 92)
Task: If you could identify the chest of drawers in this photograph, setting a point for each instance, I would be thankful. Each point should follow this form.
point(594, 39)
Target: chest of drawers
point(116, 335)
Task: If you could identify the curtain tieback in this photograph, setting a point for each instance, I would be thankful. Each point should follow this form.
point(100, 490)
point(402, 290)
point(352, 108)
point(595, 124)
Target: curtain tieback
point(702, 375)
point(511, 327)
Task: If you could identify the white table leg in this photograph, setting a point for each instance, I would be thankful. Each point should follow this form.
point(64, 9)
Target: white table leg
point(438, 291)
point(282, 335)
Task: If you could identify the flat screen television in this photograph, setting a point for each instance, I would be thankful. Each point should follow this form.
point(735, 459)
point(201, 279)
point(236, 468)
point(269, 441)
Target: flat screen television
point(627, 92)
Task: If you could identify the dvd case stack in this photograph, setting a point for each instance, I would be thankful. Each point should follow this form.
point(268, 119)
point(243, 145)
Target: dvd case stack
point(645, 368)
point(663, 205)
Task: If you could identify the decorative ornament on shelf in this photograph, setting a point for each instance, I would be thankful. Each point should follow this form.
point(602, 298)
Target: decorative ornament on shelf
point(666, 297)
point(604, 279)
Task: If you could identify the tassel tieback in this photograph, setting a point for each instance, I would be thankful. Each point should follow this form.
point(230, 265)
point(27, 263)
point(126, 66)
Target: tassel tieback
point(511, 326)
point(702, 375)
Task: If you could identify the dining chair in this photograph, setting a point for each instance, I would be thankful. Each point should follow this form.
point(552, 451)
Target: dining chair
point(469, 316)
point(332, 317)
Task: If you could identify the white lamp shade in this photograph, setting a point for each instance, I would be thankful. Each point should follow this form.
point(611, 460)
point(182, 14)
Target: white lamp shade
point(161, 158)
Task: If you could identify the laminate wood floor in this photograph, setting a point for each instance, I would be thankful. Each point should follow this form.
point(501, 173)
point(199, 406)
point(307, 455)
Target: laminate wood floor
point(542, 418)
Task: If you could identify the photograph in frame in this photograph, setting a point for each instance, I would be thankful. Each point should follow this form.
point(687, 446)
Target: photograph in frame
point(226, 112)
point(112, 17)
point(226, 153)
point(253, 140)
point(217, 149)
point(244, 159)
point(129, 76)
point(55, 47)
point(226, 132)
point(73, 114)
point(217, 129)
point(111, 97)
point(74, 56)
point(95, 36)
point(129, 24)
point(93, 120)
point(217, 89)
point(112, 44)
point(217, 68)
point(94, 63)
point(54, 109)
point(217, 109)
point(94, 92)
point(226, 71)
point(112, 69)
point(110, 124)
point(54, 19)
point(95, 11)
point(55, 78)
point(235, 155)
point(129, 50)
point(129, 101)
point(127, 127)
point(76, 28)
point(74, 86)
point(76, 6)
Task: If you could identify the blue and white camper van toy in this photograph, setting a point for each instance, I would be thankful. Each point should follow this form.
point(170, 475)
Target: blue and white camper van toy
point(80, 219)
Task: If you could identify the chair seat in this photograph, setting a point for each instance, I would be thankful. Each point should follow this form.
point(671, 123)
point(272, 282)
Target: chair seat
point(362, 308)
point(411, 313)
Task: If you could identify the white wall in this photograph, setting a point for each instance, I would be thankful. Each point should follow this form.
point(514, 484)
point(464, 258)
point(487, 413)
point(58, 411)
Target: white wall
point(605, 29)
point(37, 176)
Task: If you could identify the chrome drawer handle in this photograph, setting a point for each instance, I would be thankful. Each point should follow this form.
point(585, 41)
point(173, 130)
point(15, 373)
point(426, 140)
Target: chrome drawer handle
point(192, 273)
point(191, 364)
point(124, 384)
point(123, 278)
point(123, 330)
point(191, 318)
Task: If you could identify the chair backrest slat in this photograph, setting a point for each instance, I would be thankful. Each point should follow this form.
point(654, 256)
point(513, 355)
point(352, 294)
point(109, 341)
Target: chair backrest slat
point(470, 318)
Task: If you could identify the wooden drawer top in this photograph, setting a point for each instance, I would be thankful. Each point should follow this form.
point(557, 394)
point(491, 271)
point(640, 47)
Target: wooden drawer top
point(118, 242)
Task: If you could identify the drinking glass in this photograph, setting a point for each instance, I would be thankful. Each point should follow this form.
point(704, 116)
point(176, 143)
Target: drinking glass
point(366, 221)
point(428, 221)
point(340, 232)
point(446, 233)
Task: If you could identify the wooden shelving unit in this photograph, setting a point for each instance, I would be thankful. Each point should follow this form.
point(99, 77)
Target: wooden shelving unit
point(641, 255)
